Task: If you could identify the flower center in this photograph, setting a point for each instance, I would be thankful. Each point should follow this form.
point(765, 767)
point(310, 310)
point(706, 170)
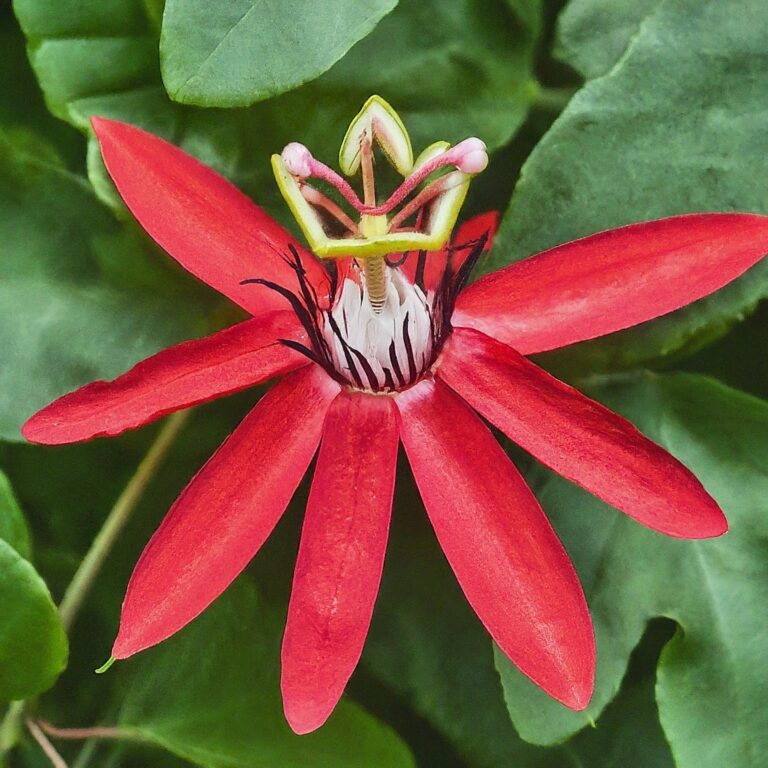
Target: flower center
point(379, 328)
point(381, 347)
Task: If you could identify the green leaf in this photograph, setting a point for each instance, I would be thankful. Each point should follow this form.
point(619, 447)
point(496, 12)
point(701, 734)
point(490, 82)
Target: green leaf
point(70, 315)
point(13, 526)
point(451, 69)
point(211, 696)
point(33, 644)
point(628, 735)
point(676, 125)
point(710, 690)
point(21, 103)
point(233, 54)
point(594, 34)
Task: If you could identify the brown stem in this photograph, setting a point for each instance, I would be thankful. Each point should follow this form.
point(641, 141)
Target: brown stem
point(77, 734)
point(50, 751)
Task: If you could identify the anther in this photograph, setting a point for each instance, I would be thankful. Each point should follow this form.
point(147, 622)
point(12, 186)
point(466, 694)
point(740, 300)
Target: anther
point(298, 160)
point(471, 156)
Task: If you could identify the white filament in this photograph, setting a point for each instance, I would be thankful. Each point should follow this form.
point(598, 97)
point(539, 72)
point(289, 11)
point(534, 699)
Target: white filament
point(372, 333)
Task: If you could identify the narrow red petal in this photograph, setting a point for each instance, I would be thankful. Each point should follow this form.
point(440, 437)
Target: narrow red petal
point(341, 556)
point(178, 377)
point(226, 512)
point(211, 228)
point(579, 438)
point(434, 264)
point(612, 280)
point(508, 560)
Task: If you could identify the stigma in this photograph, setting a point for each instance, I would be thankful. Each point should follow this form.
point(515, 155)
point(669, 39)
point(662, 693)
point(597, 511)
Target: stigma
point(419, 214)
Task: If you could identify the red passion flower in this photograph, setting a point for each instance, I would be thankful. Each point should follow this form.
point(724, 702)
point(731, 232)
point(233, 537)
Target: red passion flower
point(379, 341)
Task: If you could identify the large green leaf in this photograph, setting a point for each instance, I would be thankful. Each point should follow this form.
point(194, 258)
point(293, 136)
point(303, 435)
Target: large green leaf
point(451, 69)
point(211, 695)
point(593, 34)
point(233, 54)
point(711, 691)
point(33, 645)
point(676, 125)
point(81, 296)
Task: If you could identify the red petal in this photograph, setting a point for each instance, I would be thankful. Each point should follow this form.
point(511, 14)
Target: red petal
point(508, 560)
point(579, 438)
point(434, 265)
point(175, 378)
point(612, 280)
point(341, 556)
point(211, 228)
point(226, 512)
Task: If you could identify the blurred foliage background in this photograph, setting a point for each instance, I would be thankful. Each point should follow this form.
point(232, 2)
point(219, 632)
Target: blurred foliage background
point(598, 113)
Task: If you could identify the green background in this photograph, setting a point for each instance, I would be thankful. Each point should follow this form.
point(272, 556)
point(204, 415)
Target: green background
point(597, 113)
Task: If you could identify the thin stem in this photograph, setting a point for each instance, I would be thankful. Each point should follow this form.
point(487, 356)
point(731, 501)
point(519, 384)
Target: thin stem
point(50, 751)
point(79, 734)
point(86, 574)
point(11, 727)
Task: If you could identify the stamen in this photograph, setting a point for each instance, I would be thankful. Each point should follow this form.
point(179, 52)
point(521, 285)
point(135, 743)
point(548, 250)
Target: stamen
point(469, 156)
point(318, 199)
point(428, 193)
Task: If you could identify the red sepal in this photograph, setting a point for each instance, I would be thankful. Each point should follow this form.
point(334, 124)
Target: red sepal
point(579, 438)
point(506, 557)
point(211, 228)
point(226, 512)
point(341, 556)
point(612, 280)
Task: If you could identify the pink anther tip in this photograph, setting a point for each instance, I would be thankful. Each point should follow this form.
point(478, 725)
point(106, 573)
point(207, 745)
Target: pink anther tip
point(298, 159)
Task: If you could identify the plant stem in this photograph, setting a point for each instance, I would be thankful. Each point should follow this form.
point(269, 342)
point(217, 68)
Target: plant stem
point(89, 569)
point(50, 751)
point(10, 728)
point(81, 734)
